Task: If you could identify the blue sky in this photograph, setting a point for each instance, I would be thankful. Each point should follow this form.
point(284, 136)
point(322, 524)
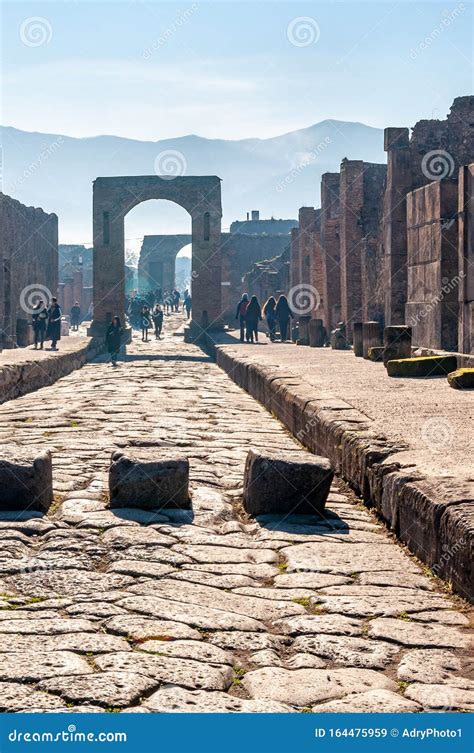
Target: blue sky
point(152, 70)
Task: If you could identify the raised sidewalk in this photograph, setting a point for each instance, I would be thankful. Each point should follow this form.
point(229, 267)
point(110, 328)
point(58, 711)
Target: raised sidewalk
point(405, 445)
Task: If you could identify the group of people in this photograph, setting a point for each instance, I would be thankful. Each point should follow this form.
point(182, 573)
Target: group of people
point(47, 323)
point(278, 315)
point(168, 301)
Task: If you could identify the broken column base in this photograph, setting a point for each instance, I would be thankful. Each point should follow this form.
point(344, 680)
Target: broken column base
point(462, 379)
point(149, 484)
point(26, 484)
point(429, 366)
point(297, 484)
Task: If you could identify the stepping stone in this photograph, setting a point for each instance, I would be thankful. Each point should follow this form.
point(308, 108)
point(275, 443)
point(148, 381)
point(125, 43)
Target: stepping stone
point(370, 702)
point(109, 689)
point(149, 484)
point(172, 700)
point(26, 483)
point(298, 483)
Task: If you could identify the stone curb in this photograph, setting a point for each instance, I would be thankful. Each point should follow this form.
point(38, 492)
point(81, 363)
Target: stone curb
point(438, 530)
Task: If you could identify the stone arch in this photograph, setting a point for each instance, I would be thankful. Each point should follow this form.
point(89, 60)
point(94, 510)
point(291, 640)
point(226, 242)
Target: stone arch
point(156, 265)
point(113, 198)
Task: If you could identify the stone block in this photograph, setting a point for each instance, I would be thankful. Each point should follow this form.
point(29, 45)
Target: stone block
point(375, 354)
point(426, 366)
point(357, 339)
point(371, 337)
point(26, 484)
point(298, 483)
point(303, 330)
point(317, 333)
point(148, 483)
point(462, 379)
point(397, 343)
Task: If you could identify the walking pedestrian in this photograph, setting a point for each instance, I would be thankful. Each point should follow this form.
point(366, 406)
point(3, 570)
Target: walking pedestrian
point(75, 316)
point(242, 307)
point(157, 316)
point(187, 304)
point(145, 323)
point(283, 315)
point(253, 317)
point(40, 318)
point(113, 339)
point(54, 323)
point(270, 316)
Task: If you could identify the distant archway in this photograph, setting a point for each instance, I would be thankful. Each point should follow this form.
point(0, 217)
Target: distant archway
point(113, 198)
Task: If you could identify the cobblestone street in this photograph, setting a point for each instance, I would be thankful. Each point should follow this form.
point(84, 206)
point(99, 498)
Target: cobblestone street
point(206, 610)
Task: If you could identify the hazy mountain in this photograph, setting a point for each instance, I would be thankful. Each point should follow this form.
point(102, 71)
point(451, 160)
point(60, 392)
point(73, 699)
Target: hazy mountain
point(275, 175)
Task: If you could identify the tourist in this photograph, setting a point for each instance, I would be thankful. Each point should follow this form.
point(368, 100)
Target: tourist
point(187, 304)
point(40, 317)
point(270, 316)
point(157, 316)
point(54, 323)
point(75, 316)
point(176, 295)
point(113, 339)
point(283, 315)
point(242, 307)
point(252, 317)
point(145, 322)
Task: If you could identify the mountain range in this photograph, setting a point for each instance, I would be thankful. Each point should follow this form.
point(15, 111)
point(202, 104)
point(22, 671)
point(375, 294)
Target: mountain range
point(275, 175)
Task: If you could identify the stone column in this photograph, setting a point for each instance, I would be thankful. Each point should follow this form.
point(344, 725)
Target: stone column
point(371, 337)
point(303, 330)
point(330, 250)
point(351, 203)
point(357, 338)
point(316, 333)
point(466, 258)
point(397, 343)
point(206, 293)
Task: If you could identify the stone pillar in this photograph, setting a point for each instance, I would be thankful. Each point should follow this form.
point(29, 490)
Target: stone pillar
point(109, 263)
point(351, 203)
point(357, 338)
point(78, 285)
point(330, 250)
point(303, 330)
point(466, 259)
point(206, 261)
point(399, 183)
point(397, 343)
point(316, 333)
point(294, 258)
point(371, 337)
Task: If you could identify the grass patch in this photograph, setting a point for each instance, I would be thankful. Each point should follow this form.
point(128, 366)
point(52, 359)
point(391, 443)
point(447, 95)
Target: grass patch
point(283, 567)
point(404, 616)
point(305, 601)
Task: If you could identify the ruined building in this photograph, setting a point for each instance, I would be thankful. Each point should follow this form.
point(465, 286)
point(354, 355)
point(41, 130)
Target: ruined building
point(28, 266)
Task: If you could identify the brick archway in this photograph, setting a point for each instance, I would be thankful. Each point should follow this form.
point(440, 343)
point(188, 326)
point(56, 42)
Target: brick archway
point(113, 198)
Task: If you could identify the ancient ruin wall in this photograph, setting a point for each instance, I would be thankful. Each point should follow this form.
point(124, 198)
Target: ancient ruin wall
point(330, 250)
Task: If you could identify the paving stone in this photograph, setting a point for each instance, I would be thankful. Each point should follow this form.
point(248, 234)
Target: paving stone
point(305, 687)
point(343, 559)
point(109, 689)
point(186, 672)
point(172, 700)
point(142, 629)
point(216, 581)
point(347, 650)
point(312, 581)
point(410, 633)
point(139, 568)
point(68, 583)
point(431, 666)
point(441, 697)
point(273, 594)
point(238, 641)
point(78, 642)
point(370, 702)
point(123, 536)
point(262, 572)
point(335, 624)
point(31, 666)
point(17, 697)
point(305, 661)
point(182, 649)
point(221, 554)
point(42, 626)
point(398, 578)
point(444, 616)
point(266, 658)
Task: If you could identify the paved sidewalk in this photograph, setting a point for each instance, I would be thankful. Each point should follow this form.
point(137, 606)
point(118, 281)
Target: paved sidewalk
point(209, 610)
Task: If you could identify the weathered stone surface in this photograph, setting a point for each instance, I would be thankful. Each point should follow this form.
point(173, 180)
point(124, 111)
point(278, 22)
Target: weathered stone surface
point(335, 624)
point(172, 700)
point(441, 697)
point(429, 666)
point(78, 642)
point(26, 484)
point(138, 568)
point(18, 697)
point(309, 580)
point(42, 626)
point(418, 634)
point(151, 485)
point(196, 650)
point(239, 641)
point(343, 559)
point(215, 555)
point(444, 616)
point(347, 650)
point(139, 628)
point(109, 689)
point(305, 661)
point(31, 666)
point(305, 687)
point(186, 672)
point(370, 702)
point(298, 483)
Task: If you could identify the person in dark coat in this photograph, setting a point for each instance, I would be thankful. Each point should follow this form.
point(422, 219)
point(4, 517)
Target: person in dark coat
point(54, 323)
point(113, 339)
point(145, 323)
point(40, 317)
point(241, 314)
point(283, 315)
point(270, 316)
point(75, 316)
point(157, 316)
point(187, 304)
point(253, 317)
